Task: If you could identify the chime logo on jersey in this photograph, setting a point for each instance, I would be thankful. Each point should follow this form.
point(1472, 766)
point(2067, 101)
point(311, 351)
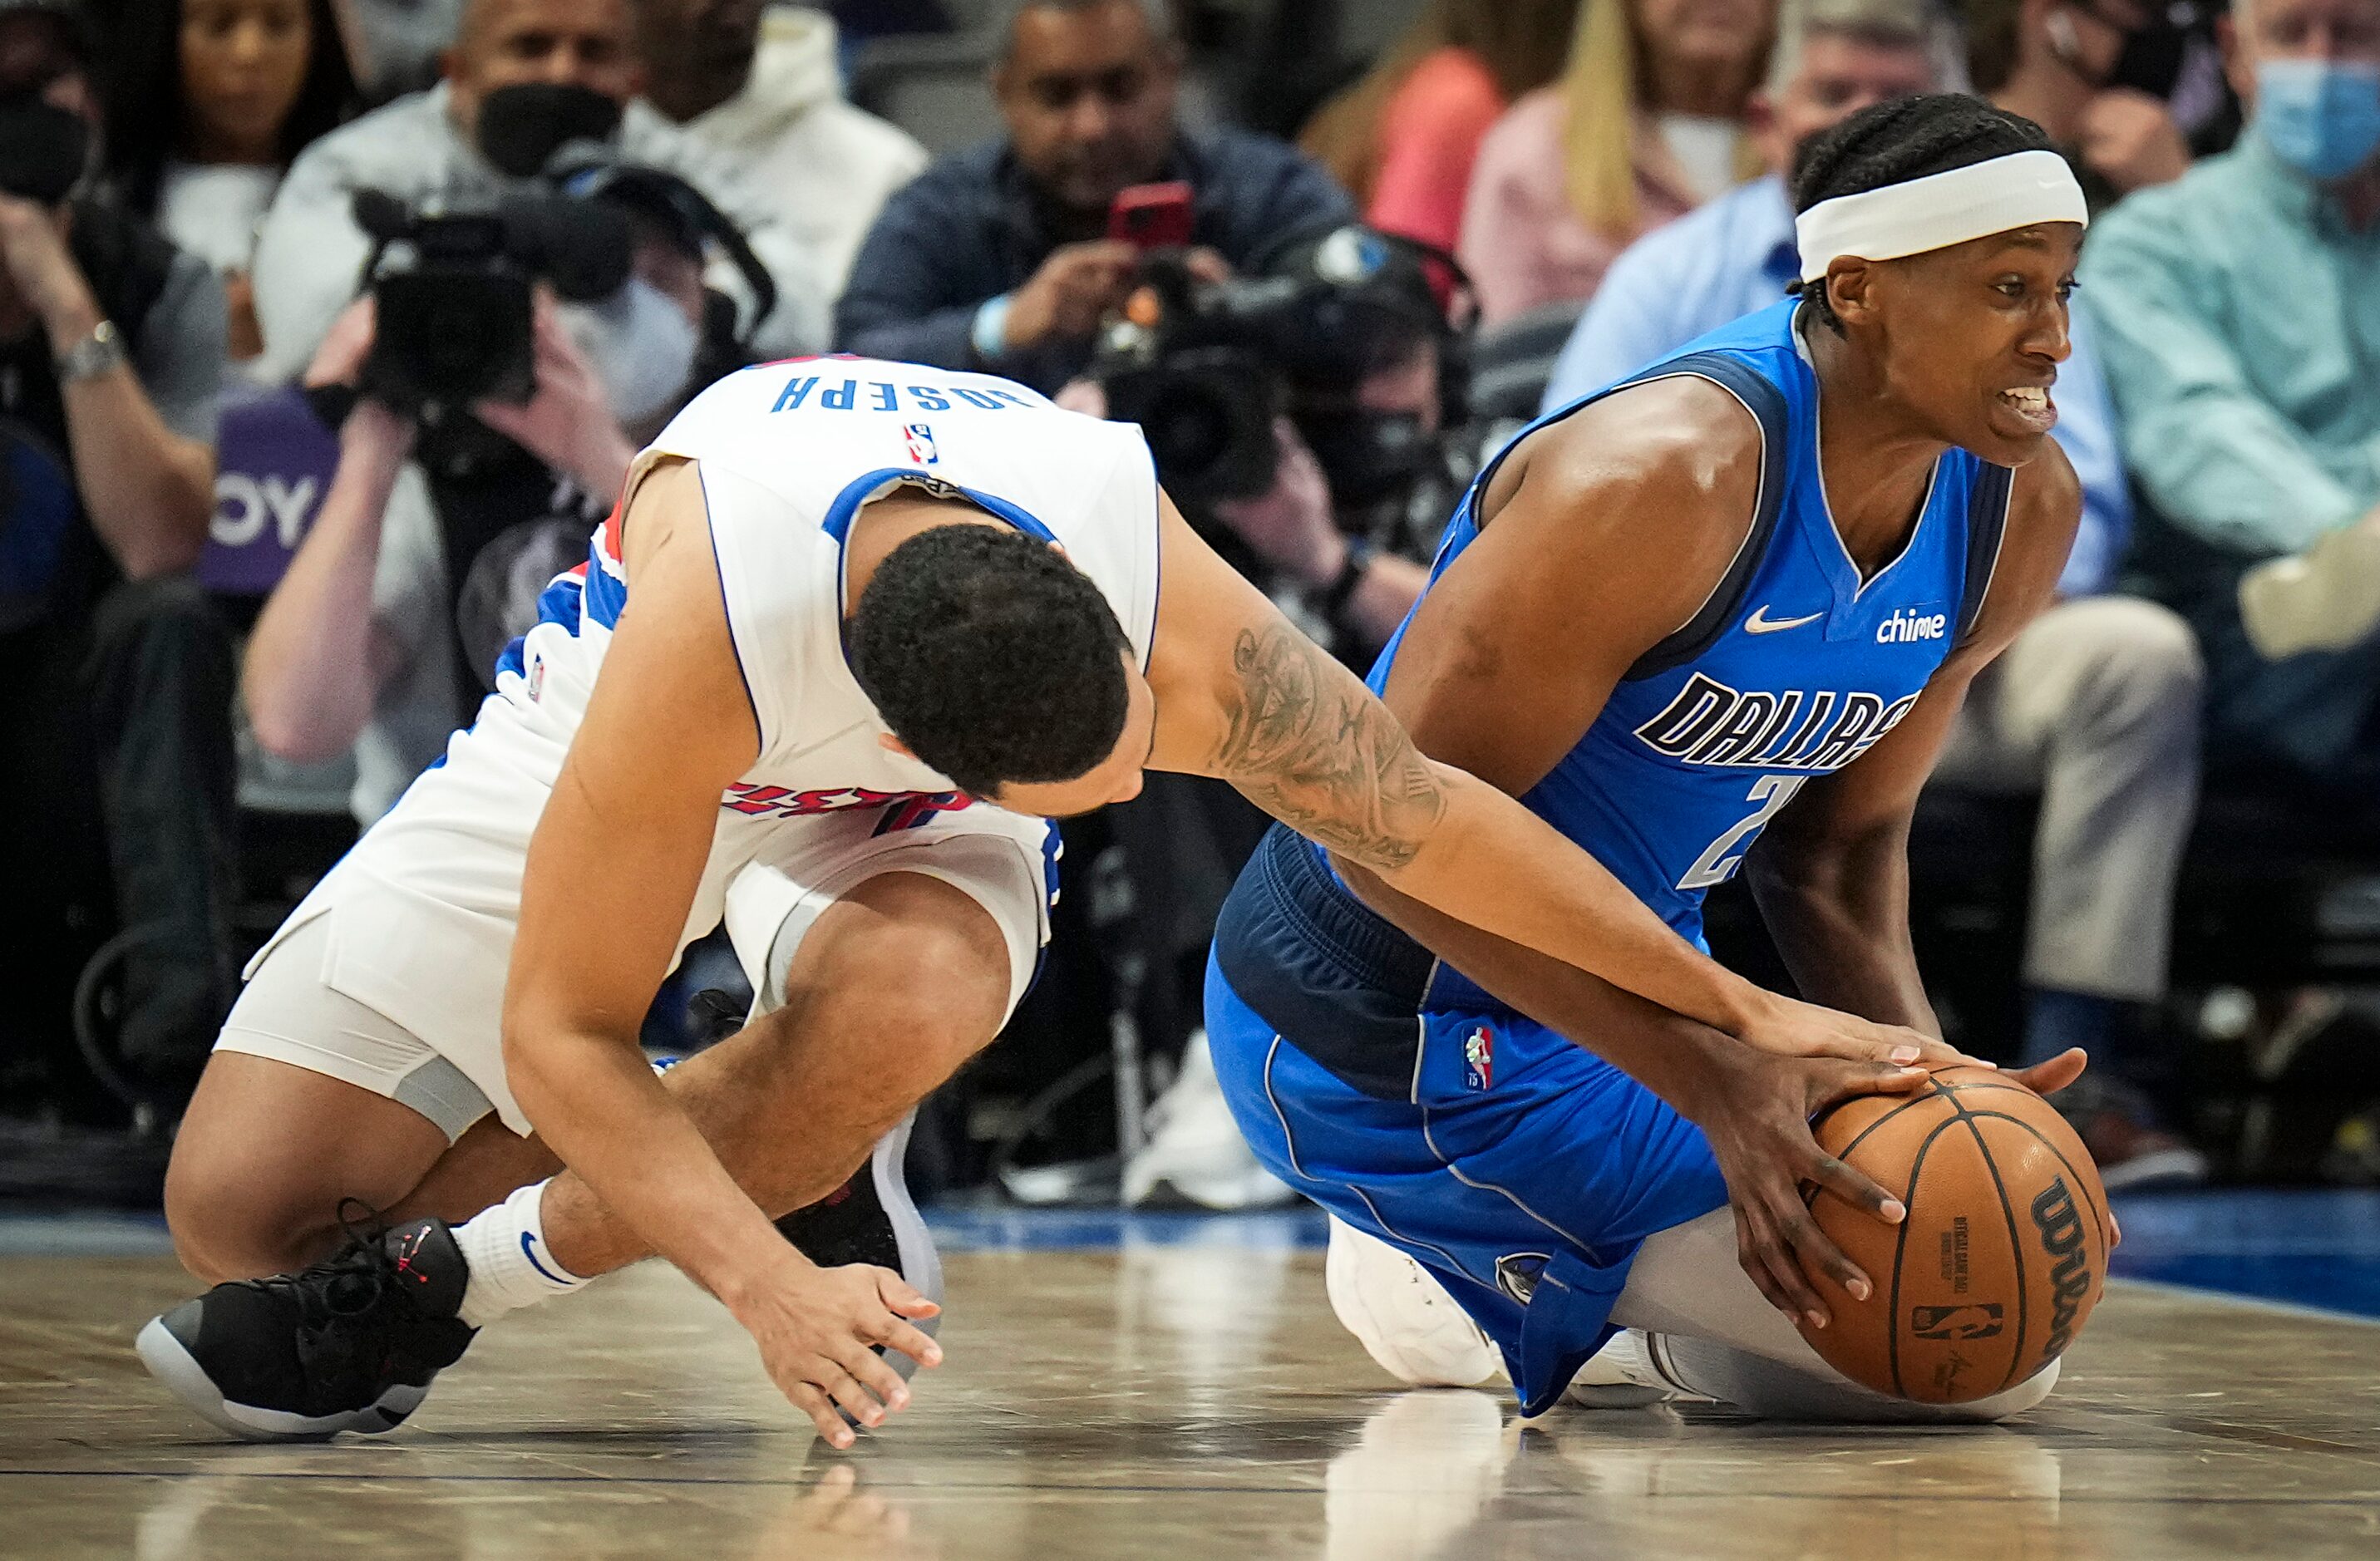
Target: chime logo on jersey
point(1790, 729)
point(921, 446)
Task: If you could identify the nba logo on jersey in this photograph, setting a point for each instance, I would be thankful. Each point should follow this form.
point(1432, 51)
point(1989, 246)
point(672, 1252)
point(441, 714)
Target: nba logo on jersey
point(1479, 1058)
point(921, 446)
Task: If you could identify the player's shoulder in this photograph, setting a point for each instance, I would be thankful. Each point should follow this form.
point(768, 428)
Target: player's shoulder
point(1680, 437)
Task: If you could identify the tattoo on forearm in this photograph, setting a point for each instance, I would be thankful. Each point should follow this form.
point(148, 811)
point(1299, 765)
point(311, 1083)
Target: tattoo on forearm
point(1310, 745)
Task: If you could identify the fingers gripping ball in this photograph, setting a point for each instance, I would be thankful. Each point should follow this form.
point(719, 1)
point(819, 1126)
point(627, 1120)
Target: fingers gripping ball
point(2002, 1256)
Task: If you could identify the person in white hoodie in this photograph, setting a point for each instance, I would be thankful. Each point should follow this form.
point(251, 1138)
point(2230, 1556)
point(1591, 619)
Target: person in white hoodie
point(760, 82)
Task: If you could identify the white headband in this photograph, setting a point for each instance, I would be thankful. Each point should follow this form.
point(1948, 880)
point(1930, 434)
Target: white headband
point(2018, 191)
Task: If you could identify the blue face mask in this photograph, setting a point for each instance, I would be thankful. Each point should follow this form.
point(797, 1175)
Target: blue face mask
point(2320, 118)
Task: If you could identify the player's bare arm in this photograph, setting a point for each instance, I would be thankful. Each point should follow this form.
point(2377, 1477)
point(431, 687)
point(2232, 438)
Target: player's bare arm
point(1831, 873)
point(613, 870)
point(1244, 697)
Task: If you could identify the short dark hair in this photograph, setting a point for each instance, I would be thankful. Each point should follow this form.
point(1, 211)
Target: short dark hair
point(1890, 143)
point(992, 658)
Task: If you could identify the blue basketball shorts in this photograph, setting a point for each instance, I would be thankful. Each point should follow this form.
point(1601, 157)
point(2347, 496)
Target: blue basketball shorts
point(1520, 1168)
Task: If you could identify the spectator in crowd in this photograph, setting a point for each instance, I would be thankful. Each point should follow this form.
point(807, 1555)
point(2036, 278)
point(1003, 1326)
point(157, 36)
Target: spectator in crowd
point(1646, 123)
point(2240, 307)
point(114, 674)
point(397, 43)
point(997, 258)
point(2052, 61)
point(2095, 707)
point(761, 83)
point(1403, 137)
point(210, 103)
point(385, 630)
point(514, 54)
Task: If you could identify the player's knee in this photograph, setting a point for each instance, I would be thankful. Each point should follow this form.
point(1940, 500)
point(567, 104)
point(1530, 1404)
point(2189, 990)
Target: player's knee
point(224, 1227)
point(928, 965)
point(2025, 1394)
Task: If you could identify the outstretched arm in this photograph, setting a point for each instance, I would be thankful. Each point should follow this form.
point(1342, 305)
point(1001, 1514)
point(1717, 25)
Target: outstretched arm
point(1244, 697)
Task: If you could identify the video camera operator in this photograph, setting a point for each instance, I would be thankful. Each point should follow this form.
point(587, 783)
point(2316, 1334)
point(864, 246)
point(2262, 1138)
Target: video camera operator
point(1300, 418)
point(525, 80)
point(115, 673)
point(1009, 255)
point(486, 423)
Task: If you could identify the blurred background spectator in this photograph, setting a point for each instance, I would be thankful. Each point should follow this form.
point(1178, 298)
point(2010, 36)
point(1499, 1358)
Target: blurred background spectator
point(1402, 139)
point(1001, 256)
point(210, 102)
point(115, 820)
point(560, 72)
point(763, 86)
point(2056, 63)
point(1645, 125)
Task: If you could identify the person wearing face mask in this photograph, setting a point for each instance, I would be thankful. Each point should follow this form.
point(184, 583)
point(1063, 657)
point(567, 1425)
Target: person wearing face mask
point(385, 631)
point(2240, 307)
point(2053, 61)
point(524, 79)
point(2241, 338)
point(2095, 707)
point(116, 801)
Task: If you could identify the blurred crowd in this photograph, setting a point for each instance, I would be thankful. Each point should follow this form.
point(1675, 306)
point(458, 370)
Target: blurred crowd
point(328, 329)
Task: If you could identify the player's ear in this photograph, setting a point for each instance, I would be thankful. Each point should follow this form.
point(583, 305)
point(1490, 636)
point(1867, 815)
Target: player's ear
point(1851, 288)
point(893, 745)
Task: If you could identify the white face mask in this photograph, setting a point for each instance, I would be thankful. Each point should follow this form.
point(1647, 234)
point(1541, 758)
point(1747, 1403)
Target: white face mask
point(641, 345)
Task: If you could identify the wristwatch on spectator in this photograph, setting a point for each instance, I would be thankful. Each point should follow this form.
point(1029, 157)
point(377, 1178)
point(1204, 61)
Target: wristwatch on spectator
point(97, 354)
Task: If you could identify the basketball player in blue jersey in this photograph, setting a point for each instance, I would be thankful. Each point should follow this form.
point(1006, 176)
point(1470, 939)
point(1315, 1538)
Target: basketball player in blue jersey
point(1719, 615)
point(855, 632)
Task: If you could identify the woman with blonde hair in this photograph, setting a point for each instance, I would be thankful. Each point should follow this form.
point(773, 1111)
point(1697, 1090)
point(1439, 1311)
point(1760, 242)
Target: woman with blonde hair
point(1646, 123)
point(1403, 138)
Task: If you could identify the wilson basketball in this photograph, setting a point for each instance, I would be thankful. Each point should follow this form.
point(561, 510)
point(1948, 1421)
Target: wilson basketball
point(2001, 1259)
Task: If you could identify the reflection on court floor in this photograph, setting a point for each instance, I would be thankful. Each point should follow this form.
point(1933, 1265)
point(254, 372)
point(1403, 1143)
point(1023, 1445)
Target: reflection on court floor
point(1175, 1388)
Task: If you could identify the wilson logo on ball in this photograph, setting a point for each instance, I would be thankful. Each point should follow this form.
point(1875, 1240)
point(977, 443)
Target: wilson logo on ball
point(2060, 1227)
point(1976, 1321)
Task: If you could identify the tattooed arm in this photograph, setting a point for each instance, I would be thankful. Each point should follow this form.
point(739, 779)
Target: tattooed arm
point(1244, 697)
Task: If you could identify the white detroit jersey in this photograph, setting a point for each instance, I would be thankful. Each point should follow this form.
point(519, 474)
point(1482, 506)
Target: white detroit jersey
point(787, 454)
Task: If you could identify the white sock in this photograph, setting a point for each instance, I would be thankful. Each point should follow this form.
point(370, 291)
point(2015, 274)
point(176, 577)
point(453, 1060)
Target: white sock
point(512, 1265)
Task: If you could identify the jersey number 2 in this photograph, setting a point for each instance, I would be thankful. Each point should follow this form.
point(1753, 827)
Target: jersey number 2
point(1725, 854)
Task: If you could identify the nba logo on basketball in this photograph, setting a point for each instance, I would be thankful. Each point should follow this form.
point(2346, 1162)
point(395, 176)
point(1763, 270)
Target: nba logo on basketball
point(1479, 1058)
point(921, 446)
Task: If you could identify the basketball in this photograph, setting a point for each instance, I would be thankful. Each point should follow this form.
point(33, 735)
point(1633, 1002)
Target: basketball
point(2002, 1256)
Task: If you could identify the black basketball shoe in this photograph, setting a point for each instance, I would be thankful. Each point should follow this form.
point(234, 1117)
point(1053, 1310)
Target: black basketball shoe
point(871, 1218)
point(347, 1345)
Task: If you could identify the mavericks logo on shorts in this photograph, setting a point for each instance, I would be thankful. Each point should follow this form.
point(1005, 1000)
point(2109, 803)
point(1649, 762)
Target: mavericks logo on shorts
point(1479, 1058)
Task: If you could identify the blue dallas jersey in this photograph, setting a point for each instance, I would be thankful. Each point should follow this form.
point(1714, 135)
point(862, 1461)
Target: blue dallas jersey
point(1793, 668)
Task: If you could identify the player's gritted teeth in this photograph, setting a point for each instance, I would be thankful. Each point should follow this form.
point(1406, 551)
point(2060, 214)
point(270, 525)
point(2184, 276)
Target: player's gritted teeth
point(2030, 407)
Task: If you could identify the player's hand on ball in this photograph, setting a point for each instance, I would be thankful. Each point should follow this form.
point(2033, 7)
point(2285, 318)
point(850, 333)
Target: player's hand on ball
point(1756, 1116)
point(816, 1328)
point(1790, 1028)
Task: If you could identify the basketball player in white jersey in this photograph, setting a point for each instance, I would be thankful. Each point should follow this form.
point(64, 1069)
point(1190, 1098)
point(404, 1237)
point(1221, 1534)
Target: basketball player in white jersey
point(855, 631)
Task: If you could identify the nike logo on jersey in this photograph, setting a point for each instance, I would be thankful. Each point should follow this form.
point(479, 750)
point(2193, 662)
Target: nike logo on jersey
point(1788, 729)
point(1761, 623)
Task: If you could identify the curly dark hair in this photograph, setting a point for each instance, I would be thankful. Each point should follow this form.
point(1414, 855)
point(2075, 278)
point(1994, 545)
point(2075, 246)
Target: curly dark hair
point(1890, 143)
point(992, 658)
point(141, 85)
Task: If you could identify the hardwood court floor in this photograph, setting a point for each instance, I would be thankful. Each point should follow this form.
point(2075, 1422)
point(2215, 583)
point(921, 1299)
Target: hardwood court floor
point(1179, 1402)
